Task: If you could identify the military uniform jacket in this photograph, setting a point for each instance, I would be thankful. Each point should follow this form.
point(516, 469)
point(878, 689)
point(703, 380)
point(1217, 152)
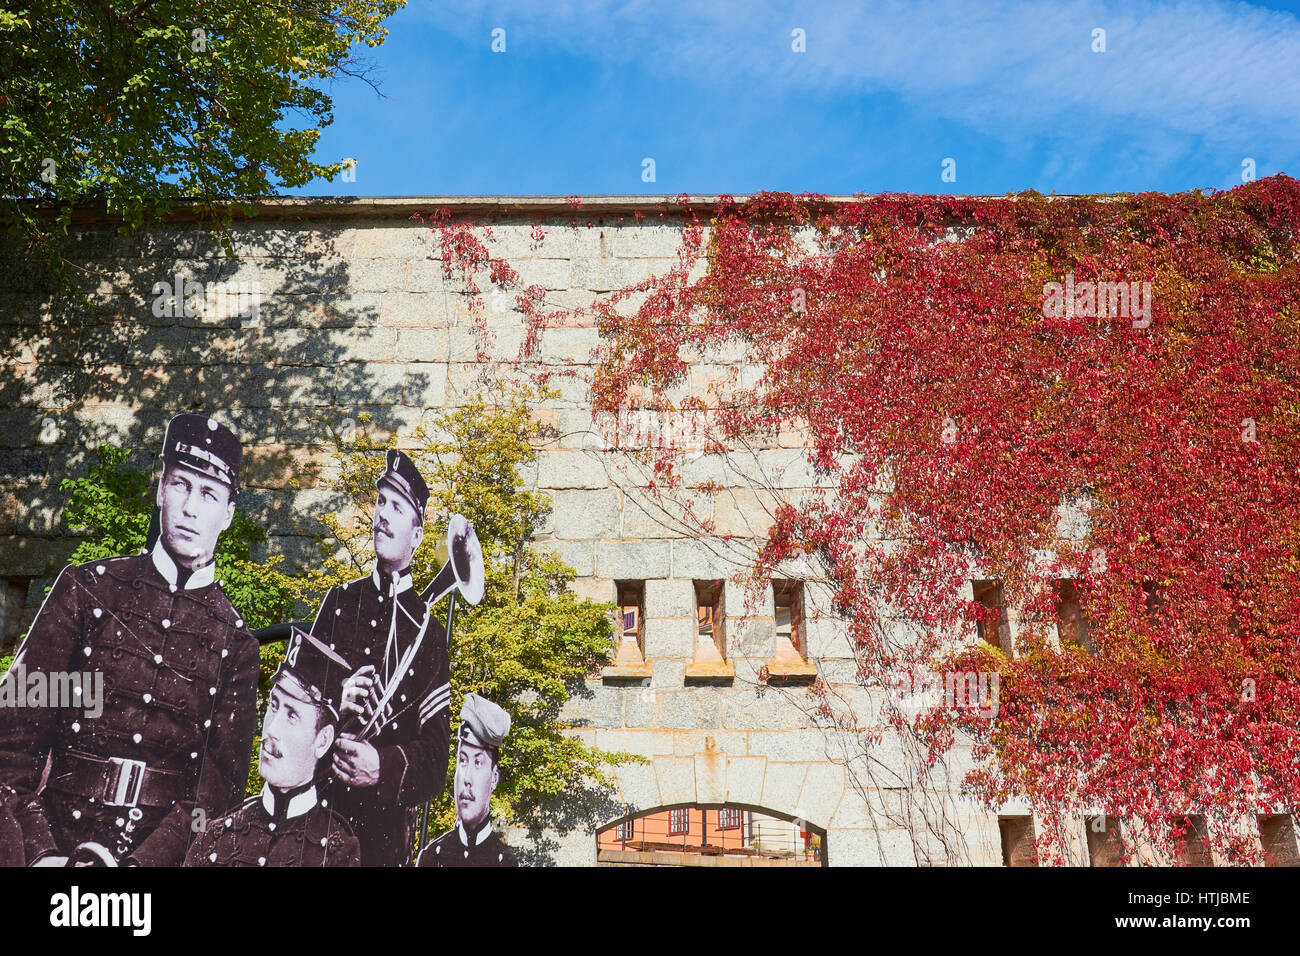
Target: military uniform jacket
point(455, 848)
point(274, 830)
point(11, 834)
point(179, 696)
point(369, 624)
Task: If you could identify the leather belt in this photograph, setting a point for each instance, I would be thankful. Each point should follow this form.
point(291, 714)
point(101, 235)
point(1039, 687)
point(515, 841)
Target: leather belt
point(116, 781)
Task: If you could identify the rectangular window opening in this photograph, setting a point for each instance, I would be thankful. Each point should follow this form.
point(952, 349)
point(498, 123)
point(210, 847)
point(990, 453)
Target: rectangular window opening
point(1017, 841)
point(1105, 848)
point(790, 638)
point(1071, 626)
point(711, 624)
point(631, 604)
point(1277, 835)
point(994, 628)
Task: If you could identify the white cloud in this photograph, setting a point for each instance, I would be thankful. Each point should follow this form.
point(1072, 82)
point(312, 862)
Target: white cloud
point(1175, 76)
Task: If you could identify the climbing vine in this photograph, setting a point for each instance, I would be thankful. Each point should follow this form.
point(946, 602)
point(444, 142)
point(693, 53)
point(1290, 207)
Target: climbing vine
point(1093, 402)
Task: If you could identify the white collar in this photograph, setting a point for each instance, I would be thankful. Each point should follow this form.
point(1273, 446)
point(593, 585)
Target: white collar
point(298, 804)
point(482, 834)
point(404, 583)
point(200, 578)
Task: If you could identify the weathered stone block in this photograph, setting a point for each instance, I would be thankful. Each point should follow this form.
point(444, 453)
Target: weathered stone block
point(711, 777)
point(425, 385)
point(670, 598)
point(668, 674)
point(594, 705)
point(571, 469)
point(471, 344)
point(643, 518)
point(569, 346)
point(647, 743)
point(585, 514)
point(676, 776)
point(869, 848)
point(744, 512)
point(646, 241)
point(638, 786)
point(752, 636)
point(677, 709)
point(745, 780)
point(761, 708)
point(805, 745)
point(548, 273)
point(421, 345)
point(823, 789)
point(632, 560)
point(405, 242)
point(605, 275)
point(639, 705)
point(413, 309)
point(688, 743)
point(701, 560)
point(670, 637)
point(782, 783)
point(827, 638)
point(579, 555)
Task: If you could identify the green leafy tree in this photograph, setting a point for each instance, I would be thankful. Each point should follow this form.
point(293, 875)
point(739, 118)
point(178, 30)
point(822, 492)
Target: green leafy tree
point(136, 105)
point(530, 639)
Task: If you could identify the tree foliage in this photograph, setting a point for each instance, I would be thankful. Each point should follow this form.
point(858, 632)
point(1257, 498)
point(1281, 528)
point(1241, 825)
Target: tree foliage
point(134, 106)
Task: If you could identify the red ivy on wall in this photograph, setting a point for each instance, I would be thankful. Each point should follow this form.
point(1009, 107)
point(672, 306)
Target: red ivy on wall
point(963, 372)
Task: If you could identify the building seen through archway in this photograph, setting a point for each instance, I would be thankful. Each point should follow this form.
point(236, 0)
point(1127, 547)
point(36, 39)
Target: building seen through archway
point(710, 836)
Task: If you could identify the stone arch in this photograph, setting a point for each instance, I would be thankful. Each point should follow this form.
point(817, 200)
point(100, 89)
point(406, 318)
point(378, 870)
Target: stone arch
point(810, 792)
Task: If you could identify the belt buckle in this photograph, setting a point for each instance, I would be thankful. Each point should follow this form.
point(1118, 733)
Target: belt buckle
point(122, 789)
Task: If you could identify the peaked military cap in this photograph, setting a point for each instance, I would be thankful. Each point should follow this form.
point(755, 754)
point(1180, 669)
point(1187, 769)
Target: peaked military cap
point(206, 446)
point(319, 670)
point(483, 723)
point(401, 475)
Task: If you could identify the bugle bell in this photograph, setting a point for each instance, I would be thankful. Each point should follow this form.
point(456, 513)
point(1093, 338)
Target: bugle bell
point(463, 571)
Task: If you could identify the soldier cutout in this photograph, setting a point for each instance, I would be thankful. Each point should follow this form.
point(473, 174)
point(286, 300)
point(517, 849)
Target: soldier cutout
point(287, 824)
point(472, 841)
point(179, 675)
point(392, 754)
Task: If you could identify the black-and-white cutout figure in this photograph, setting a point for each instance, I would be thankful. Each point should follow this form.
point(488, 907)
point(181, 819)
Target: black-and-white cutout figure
point(472, 841)
point(392, 754)
point(287, 824)
point(172, 742)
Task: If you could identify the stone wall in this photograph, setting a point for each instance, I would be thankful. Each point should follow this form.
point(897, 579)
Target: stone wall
point(355, 316)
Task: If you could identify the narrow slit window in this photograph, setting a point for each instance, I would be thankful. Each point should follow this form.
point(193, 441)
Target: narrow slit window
point(1071, 626)
point(790, 639)
point(711, 639)
point(994, 628)
point(631, 602)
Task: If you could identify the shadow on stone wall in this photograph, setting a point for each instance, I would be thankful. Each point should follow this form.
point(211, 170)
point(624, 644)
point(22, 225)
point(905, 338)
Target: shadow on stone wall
point(309, 353)
point(580, 808)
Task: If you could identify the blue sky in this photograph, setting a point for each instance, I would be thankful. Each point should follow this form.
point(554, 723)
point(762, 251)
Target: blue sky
point(1184, 93)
